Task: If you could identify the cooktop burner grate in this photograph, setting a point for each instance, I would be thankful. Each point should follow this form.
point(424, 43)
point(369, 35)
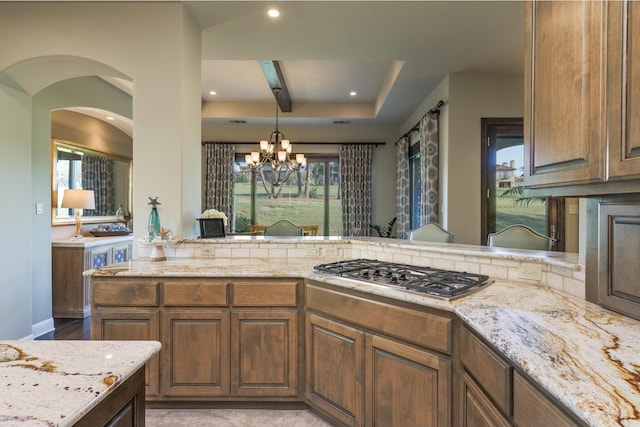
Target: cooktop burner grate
point(432, 281)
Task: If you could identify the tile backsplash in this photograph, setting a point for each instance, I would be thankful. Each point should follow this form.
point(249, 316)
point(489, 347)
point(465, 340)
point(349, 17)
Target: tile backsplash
point(559, 271)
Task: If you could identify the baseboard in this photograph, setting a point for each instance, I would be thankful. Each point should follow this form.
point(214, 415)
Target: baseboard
point(42, 328)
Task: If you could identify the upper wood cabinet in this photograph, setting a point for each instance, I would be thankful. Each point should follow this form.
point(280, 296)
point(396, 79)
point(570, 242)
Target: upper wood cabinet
point(582, 132)
point(623, 89)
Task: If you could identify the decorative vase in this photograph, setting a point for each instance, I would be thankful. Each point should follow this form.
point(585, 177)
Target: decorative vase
point(154, 223)
point(120, 213)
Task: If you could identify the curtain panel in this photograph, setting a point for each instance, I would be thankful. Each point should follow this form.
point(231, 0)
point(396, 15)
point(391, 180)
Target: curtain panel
point(403, 205)
point(219, 160)
point(355, 181)
point(429, 169)
point(97, 175)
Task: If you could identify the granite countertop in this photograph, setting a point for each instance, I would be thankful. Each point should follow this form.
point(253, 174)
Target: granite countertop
point(582, 354)
point(55, 383)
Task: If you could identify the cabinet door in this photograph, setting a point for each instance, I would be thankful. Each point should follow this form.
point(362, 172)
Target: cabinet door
point(612, 260)
point(623, 89)
point(129, 325)
point(195, 353)
point(563, 126)
point(335, 370)
point(532, 409)
point(264, 355)
point(477, 409)
point(405, 386)
point(120, 253)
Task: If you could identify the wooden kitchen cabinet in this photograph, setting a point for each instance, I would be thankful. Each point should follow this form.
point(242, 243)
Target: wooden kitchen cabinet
point(476, 407)
point(264, 353)
point(493, 393)
point(335, 369)
point(128, 311)
point(563, 103)
point(195, 349)
point(532, 409)
point(69, 259)
point(221, 339)
point(613, 241)
point(404, 385)
point(370, 362)
point(265, 338)
point(582, 95)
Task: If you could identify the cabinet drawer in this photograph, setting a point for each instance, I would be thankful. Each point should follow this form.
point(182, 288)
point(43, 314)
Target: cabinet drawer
point(196, 293)
point(531, 408)
point(427, 330)
point(126, 293)
point(265, 293)
point(489, 370)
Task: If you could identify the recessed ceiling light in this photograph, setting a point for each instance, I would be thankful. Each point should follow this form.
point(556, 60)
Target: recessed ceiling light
point(274, 13)
point(353, 93)
point(213, 92)
point(110, 118)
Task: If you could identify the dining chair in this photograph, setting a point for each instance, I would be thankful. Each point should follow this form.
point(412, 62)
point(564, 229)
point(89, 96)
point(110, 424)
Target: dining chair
point(520, 236)
point(283, 228)
point(431, 232)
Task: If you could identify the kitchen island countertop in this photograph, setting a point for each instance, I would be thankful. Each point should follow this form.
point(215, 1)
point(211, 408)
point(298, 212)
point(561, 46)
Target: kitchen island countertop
point(580, 353)
point(56, 383)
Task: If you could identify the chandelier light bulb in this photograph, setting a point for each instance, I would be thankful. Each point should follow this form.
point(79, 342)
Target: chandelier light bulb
point(263, 145)
point(286, 146)
point(282, 156)
point(255, 157)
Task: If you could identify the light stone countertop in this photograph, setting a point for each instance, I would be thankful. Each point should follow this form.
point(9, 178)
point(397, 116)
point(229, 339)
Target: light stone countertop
point(90, 241)
point(55, 383)
point(582, 354)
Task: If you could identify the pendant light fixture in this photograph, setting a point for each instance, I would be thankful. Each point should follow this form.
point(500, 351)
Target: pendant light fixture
point(276, 153)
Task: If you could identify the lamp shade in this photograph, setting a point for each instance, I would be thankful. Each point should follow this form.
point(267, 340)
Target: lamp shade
point(78, 199)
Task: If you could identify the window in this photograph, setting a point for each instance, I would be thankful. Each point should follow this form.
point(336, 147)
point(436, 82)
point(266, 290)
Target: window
point(310, 196)
point(414, 185)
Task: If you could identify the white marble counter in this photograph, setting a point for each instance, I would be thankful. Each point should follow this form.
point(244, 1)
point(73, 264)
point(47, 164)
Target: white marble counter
point(584, 355)
point(55, 383)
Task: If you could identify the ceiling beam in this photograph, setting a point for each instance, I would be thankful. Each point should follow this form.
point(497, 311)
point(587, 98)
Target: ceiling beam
point(273, 74)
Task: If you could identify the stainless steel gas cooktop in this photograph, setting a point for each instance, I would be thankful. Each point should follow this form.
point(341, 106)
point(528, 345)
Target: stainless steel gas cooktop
point(426, 280)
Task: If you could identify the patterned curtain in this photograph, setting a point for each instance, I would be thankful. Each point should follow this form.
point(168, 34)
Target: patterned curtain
point(403, 204)
point(97, 175)
point(355, 181)
point(218, 178)
point(429, 193)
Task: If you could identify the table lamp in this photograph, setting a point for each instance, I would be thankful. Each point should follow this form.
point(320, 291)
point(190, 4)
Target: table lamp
point(78, 199)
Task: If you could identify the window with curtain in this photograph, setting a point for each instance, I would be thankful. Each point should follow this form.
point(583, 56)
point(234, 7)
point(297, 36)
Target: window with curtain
point(310, 196)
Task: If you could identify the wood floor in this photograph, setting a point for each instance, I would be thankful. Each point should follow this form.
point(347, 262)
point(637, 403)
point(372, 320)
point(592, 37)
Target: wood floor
point(69, 329)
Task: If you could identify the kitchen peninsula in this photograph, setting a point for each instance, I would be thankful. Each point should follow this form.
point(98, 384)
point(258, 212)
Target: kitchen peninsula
point(557, 353)
point(73, 383)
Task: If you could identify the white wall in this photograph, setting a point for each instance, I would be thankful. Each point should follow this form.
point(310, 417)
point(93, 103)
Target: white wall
point(16, 215)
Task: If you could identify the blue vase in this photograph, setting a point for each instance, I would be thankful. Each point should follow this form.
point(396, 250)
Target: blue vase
point(154, 223)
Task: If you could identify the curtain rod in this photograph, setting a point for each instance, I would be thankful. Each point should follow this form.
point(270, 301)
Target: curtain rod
point(375, 144)
point(434, 110)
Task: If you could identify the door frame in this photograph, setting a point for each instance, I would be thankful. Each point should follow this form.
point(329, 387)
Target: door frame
point(490, 128)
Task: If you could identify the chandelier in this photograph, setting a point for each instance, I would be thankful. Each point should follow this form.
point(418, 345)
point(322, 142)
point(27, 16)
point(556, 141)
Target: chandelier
point(275, 152)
